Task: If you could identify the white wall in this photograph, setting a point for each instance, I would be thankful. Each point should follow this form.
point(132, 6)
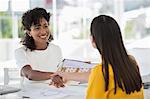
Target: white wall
point(79, 49)
point(7, 47)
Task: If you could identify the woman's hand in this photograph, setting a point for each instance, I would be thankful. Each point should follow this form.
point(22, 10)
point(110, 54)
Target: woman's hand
point(57, 81)
point(64, 75)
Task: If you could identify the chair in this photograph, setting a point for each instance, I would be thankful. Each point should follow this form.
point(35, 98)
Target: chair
point(11, 73)
point(11, 76)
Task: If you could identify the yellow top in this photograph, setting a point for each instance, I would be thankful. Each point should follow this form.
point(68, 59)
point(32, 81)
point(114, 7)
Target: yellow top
point(96, 87)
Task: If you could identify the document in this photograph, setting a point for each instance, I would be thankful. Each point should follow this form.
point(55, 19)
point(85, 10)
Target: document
point(50, 92)
point(76, 63)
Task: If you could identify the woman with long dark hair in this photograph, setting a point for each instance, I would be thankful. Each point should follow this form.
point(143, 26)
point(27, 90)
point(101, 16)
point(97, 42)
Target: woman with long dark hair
point(118, 76)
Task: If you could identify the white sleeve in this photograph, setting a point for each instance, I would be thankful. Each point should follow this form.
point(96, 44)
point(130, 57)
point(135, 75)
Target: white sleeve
point(59, 55)
point(21, 59)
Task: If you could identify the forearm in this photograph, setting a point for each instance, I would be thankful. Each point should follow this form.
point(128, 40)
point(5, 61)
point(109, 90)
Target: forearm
point(82, 77)
point(38, 75)
point(35, 75)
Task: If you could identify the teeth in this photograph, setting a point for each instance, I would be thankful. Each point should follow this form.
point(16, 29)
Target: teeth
point(43, 36)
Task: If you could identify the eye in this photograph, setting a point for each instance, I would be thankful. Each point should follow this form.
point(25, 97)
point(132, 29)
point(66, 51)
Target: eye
point(37, 28)
point(46, 26)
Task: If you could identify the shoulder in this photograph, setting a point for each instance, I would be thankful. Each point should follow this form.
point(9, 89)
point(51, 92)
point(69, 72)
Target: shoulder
point(97, 68)
point(54, 47)
point(20, 52)
point(20, 49)
point(132, 59)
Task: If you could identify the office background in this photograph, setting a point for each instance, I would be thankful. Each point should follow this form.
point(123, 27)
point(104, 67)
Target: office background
point(70, 24)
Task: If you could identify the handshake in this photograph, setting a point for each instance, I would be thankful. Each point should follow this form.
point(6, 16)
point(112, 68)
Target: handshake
point(72, 70)
point(59, 79)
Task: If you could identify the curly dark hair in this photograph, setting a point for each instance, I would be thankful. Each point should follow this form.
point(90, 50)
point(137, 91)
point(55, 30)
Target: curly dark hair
point(29, 18)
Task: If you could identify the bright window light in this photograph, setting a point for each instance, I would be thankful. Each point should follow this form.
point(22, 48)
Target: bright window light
point(20, 5)
point(3, 5)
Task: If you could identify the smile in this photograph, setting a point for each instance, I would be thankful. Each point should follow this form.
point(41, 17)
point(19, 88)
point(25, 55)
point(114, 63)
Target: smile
point(43, 36)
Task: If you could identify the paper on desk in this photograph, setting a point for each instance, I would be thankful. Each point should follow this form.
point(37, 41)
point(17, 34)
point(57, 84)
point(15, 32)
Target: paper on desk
point(49, 93)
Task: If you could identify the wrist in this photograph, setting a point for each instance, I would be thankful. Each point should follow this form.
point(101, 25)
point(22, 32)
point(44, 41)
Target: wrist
point(50, 75)
point(69, 76)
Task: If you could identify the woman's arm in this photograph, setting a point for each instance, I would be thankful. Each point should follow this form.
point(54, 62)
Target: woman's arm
point(35, 75)
point(68, 76)
point(75, 76)
point(26, 68)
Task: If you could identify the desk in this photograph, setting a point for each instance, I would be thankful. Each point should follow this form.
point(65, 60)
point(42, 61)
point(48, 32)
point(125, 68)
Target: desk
point(78, 92)
point(78, 89)
point(43, 91)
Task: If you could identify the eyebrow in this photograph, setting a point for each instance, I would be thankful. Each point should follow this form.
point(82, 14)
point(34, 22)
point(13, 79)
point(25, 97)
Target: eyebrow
point(36, 25)
point(39, 24)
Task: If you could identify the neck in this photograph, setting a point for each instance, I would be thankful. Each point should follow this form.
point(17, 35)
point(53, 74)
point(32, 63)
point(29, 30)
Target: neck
point(41, 46)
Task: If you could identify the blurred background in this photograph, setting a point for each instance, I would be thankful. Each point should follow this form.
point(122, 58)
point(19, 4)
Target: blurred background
point(70, 24)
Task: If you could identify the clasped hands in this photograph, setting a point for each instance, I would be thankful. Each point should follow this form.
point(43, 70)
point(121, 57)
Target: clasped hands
point(59, 79)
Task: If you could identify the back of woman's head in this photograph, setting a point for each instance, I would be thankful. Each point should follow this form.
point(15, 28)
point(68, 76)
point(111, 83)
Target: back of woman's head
point(107, 36)
point(33, 17)
point(106, 32)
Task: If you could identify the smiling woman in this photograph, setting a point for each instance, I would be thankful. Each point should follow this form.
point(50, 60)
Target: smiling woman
point(38, 58)
point(36, 25)
point(40, 33)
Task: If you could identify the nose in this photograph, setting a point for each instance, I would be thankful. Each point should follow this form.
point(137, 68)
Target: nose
point(43, 30)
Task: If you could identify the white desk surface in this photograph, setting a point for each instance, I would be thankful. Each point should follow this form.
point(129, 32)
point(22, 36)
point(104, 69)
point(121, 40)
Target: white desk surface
point(42, 91)
point(79, 92)
point(50, 92)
